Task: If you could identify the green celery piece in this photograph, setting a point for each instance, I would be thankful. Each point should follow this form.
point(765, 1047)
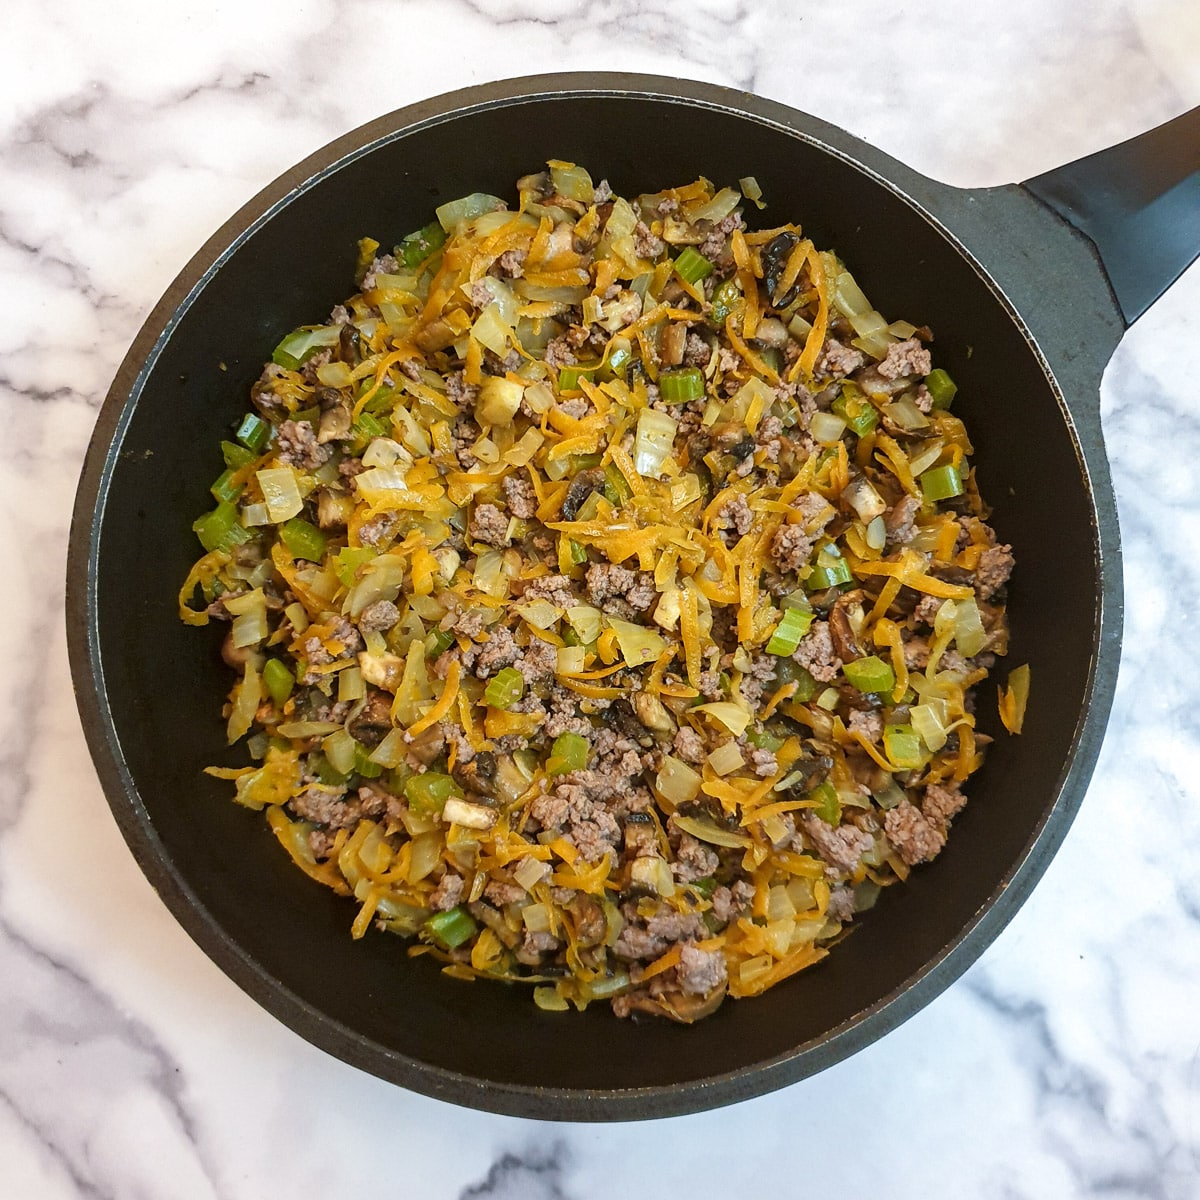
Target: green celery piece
point(439, 641)
point(504, 689)
point(324, 770)
point(224, 488)
point(221, 529)
point(369, 426)
point(831, 570)
point(303, 539)
point(569, 377)
point(236, 456)
point(789, 631)
point(568, 753)
point(452, 928)
point(414, 249)
point(725, 300)
point(363, 765)
point(870, 674)
point(858, 412)
point(347, 561)
point(616, 487)
point(941, 387)
point(941, 483)
point(828, 807)
point(764, 740)
point(429, 791)
point(903, 746)
point(681, 385)
point(691, 266)
point(253, 432)
point(279, 681)
point(301, 344)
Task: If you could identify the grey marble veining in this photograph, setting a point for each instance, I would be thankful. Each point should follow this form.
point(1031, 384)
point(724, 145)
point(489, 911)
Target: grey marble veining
point(1065, 1064)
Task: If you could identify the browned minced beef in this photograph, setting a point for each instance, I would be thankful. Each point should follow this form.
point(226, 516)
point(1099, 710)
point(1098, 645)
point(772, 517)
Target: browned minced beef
point(585, 822)
point(298, 446)
point(378, 528)
point(468, 622)
point(327, 806)
point(841, 904)
point(762, 762)
point(700, 970)
point(898, 521)
point(838, 360)
point(538, 662)
point(377, 803)
point(607, 582)
point(730, 903)
point(941, 802)
point(648, 938)
point(694, 860)
point(379, 615)
point(645, 243)
point(511, 264)
point(459, 392)
point(498, 652)
point(792, 544)
point(915, 838)
point(995, 566)
point(501, 892)
point(536, 946)
point(840, 846)
point(816, 653)
point(927, 609)
point(710, 685)
point(738, 515)
point(554, 588)
point(565, 716)
point(714, 241)
point(869, 724)
point(520, 496)
point(696, 351)
point(558, 352)
point(384, 264)
point(489, 525)
point(448, 893)
point(689, 745)
point(905, 358)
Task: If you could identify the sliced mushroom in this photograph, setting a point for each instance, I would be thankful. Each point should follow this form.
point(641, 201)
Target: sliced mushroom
point(845, 644)
point(775, 257)
point(374, 720)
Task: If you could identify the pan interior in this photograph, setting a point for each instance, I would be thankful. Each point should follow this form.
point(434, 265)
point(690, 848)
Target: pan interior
point(165, 684)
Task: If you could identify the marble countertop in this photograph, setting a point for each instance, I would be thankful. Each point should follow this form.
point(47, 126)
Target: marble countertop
point(1063, 1064)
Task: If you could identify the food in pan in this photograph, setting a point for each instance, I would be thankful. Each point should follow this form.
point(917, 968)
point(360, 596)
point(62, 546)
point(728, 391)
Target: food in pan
point(609, 590)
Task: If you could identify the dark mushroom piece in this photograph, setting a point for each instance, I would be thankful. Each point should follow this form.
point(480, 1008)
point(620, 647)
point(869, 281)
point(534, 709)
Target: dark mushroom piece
point(478, 775)
point(374, 720)
point(775, 257)
point(335, 415)
point(582, 486)
point(845, 644)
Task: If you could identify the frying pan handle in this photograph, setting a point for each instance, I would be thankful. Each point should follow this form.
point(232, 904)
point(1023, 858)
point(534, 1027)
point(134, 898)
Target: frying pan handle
point(1139, 204)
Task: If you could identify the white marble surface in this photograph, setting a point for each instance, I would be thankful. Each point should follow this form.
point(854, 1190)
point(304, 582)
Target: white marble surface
point(1066, 1063)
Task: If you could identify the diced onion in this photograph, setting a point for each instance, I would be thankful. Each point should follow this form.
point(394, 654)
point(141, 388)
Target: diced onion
point(281, 491)
point(341, 750)
point(677, 782)
point(498, 401)
point(719, 207)
point(904, 412)
point(537, 917)
point(827, 427)
point(653, 443)
point(586, 621)
point(726, 758)
point(734, 717)
point(861, 495)
point(541, 614)
point(969, 633)
point(638, 644)
point(570, 660)
point(385, 452)
point(490, 577)
point(653, 872)
point(335, 374)
point(468, 815)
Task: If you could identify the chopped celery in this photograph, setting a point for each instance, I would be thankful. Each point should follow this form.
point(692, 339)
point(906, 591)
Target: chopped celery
point(705, 886)
point(224, 488)
point(569, 753)
point(236, 456)
point(789, 670)
point(578, 553)
point(857, 411)
point(505, 688)
point(279, 681)
point(789, 631)
point(363, 765)
point(725, 299)
point(301, 344)
point(417, 247)
point(253, 432)
point(764, 740)
point(681, 385)
point(691, 266)
point(452, 928)
point(439, 641)
point(428, 792)
point(221, 529)
point(303, 539)
point(347, 561)
point(325, 771)
point(569, 377)
point(830, 570)
point(616, 487)
point(903, 746)
point(941, 387)
point(828, 807)
point(870, 674)
point(369, 426)
point(941, 483)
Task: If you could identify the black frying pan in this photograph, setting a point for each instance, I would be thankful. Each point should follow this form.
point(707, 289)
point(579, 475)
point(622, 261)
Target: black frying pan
point(1025, 317)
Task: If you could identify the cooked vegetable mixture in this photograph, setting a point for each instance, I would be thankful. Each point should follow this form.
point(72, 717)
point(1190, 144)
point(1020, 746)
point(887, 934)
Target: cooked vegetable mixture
point(608, 585)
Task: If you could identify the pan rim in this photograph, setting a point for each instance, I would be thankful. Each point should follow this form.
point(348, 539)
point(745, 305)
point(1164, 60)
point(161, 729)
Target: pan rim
point(334, 1036)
